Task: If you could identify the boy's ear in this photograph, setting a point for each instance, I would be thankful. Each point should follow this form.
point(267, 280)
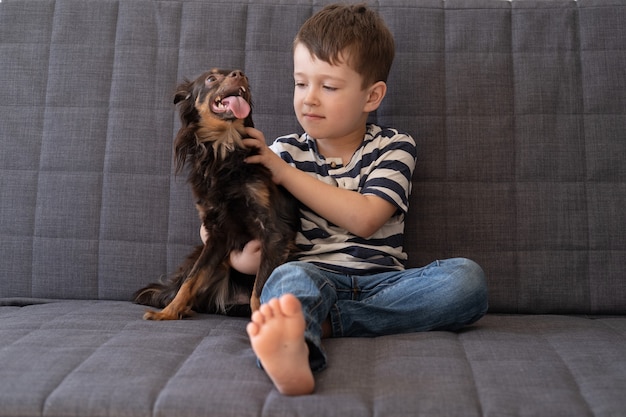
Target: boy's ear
point(377, 92)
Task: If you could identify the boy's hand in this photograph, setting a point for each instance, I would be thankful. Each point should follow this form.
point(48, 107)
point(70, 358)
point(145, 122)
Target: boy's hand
point(246, 261)
point(265, 156)
point(360, 214)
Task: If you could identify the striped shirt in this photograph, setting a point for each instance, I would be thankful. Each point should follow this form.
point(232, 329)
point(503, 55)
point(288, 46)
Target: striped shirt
point(381, 166)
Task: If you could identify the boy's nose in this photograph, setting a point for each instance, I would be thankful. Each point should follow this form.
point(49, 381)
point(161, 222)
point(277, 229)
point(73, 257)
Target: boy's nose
point(310, 98)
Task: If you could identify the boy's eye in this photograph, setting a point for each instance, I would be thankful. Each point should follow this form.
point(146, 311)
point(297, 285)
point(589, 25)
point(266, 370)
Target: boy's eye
point(330, 88)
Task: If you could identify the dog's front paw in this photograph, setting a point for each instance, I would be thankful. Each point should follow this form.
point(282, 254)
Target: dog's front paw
point(155, 315)
point(166, 314)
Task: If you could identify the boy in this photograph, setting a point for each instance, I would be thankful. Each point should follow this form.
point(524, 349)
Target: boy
point(353, 180)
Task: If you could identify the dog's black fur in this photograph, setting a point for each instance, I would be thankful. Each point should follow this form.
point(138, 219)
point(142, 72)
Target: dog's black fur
point(237, 202)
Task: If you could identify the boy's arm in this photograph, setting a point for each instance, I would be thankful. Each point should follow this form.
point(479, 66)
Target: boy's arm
point(362, 215)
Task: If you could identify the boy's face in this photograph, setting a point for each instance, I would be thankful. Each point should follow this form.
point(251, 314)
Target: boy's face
point(328, 99)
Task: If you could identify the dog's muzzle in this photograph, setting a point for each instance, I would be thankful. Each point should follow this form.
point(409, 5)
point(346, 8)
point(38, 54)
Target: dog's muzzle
point(235, 104)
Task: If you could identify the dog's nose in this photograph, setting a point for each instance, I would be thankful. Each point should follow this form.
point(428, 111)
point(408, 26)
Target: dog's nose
point(236, 74)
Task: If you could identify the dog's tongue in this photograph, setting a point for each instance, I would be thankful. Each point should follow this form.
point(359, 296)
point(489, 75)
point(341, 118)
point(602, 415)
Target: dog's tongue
point(237, 105)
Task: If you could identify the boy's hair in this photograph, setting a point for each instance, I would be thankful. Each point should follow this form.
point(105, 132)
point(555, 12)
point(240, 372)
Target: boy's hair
point(352, 32)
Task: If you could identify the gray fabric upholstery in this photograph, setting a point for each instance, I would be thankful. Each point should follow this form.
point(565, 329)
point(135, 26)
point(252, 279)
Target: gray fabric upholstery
point(91, 358)
point(519, 110)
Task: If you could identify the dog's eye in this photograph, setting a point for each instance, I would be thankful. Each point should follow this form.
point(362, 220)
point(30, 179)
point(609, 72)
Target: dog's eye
point(210, 79)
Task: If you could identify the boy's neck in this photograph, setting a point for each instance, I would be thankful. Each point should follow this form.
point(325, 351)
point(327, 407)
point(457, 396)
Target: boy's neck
point(341, 147)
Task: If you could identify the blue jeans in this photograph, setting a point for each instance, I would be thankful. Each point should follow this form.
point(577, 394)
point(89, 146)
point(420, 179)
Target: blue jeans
point(445, 295)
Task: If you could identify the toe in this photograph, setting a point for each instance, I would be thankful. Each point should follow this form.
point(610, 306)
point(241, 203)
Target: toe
point(267, 310)
point(290, 305)
point(258, 317)
point(252, 329)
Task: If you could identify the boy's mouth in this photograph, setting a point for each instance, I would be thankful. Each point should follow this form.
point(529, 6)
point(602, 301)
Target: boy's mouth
point(312, 116)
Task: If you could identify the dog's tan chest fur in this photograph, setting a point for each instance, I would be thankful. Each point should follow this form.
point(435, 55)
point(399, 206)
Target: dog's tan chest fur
point(223, 137)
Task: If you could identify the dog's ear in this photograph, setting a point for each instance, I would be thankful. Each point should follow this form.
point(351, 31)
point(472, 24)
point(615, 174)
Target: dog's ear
point(181, 97)
point(184, 99)
point(184, 145)
point(183, 91)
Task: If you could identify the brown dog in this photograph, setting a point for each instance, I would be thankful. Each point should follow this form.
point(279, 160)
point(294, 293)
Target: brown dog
point(237, 202)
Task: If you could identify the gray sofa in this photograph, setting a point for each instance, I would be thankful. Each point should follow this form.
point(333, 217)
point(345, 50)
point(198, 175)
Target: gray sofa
point(519, 109)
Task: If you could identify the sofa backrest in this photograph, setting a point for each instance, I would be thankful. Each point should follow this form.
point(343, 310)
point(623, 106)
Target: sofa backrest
point(519, 109)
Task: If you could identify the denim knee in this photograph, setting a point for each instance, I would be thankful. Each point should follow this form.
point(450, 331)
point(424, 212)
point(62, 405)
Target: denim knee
point(291, 277)
point(476, 277)
point(473, 287)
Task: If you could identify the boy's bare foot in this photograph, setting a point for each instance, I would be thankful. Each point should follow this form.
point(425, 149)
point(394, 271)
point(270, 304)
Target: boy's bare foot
point(277, 336)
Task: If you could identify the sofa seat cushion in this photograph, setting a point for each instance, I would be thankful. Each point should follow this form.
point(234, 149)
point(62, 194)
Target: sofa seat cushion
point(86, 358)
